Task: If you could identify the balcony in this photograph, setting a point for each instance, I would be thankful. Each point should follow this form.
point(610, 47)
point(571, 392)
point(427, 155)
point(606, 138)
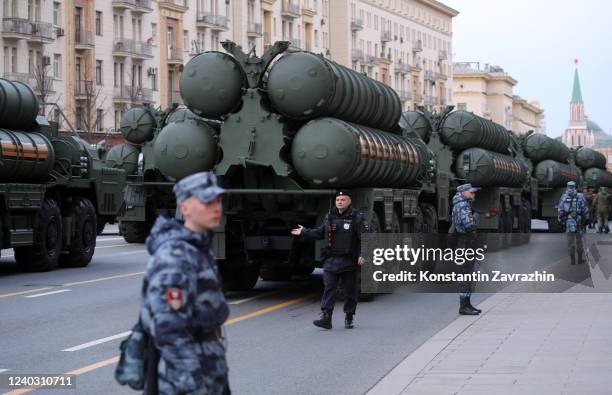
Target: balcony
point(141, 6)
point(132, 94)
point(123, 4)
point(42, 32)
point(142, 50)
point(356, 24)
point(254, 29)
point(417, 46)
point(308, 9)
point(26, 78)
point(290, 9)
point(16, 28)
point(295, 43)
point(122, 94)
point(404, 95)
point(357, 55)
point(175, 55)
point(123, 47)
point(403, 68)
point(213, 21)
point(442, 55)
point(174, 5)
point(83, 40)
point(370, 60)
point(267, 39)
point(175, 97)
point(386, 36)
point(84, 90)
point(429, 75)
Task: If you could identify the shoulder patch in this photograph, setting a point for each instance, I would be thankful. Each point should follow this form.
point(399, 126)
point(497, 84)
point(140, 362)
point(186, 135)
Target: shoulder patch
point(174, 297)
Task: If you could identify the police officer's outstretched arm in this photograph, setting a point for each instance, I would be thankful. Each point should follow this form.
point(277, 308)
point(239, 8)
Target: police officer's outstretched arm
point(171, 295)
point(317, 233)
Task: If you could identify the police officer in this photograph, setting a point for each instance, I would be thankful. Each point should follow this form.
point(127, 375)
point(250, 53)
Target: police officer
point(600, 204)
point(465, 222)
point(589, 196)
point(342, 229)
point(573, 213)
point(183, 306)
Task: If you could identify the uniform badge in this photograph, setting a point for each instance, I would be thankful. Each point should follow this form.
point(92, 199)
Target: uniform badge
point(174, 296)
point(366, 226)
point(347, 226)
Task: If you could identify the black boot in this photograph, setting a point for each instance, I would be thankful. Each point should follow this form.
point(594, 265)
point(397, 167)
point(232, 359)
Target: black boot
point(580, 259)
point(573, 259)
point(348, 321)
point(469, 302)
point(325, 321)
point(465, 308)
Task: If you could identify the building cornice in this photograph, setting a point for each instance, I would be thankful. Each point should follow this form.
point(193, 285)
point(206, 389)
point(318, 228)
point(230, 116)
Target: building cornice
point(440, 7)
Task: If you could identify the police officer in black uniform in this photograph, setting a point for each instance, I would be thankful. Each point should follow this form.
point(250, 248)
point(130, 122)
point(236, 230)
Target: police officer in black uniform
point(342, 229)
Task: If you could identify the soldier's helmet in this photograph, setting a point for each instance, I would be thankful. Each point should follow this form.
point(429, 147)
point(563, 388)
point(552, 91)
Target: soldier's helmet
point(467, 188)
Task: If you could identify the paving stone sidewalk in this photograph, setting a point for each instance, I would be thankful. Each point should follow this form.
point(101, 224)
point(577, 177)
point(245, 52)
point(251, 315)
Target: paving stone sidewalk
point(526, 344)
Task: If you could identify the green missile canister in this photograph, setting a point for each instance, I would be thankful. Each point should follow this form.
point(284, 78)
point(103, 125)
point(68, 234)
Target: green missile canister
point(184, 148)
point(552, 174)
point(18, 105)
point(303, 85)
point(414, 123)
point(462, 130)
point(490, 169)
point(595, 178)
point(123, 156)
point(587, 158)
point(138, 125)
point(212, 83)
point(329, 152)
point(539, 147)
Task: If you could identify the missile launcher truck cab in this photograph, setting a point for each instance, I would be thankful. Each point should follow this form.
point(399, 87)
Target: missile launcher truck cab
point(54, 190)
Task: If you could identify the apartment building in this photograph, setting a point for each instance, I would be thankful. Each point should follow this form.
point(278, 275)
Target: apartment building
point(487, 91)
point(96, 58)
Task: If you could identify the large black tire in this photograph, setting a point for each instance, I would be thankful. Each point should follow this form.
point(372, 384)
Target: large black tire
point(44, 253)
point(239, 279)
point(430, 226)
point(83, 238)
point(134, 232)
point(100, 225)
point(278, 272)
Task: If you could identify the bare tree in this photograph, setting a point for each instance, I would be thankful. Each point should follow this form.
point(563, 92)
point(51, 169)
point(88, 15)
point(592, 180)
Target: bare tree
point(90, 96)
point(44, 81)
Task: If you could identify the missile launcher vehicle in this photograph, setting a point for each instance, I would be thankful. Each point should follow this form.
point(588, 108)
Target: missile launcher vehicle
point(55, 192)
point(283, 131)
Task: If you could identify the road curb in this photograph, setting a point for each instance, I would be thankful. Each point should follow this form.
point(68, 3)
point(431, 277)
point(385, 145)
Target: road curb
point(402, 375)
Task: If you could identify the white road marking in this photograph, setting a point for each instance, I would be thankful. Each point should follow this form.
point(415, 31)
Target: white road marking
point(47, 293)
point(4, 370)
point(126, 253)
point(110, 238)
point(239, 301)
point(99, 341)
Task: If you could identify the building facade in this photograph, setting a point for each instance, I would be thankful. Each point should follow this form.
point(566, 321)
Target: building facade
point(488, 92)
point(95, 59)
point(581, 131)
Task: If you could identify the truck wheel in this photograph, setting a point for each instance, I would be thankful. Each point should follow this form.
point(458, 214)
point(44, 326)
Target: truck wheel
point(100, 226)
point(240, 279)
point(83, 238)
point(276, 272)
point(430, 218)
point(134, 232)
point(44, 253)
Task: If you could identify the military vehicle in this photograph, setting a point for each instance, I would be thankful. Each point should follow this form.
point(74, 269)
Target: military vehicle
point(553, 167)
point(593, 164)
point(291, 128)
point(54, 190)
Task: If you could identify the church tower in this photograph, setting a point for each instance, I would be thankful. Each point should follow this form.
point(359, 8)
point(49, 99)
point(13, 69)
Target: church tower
point(577, 117)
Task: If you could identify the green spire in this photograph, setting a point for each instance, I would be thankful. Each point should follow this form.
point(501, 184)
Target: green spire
point(576, 93)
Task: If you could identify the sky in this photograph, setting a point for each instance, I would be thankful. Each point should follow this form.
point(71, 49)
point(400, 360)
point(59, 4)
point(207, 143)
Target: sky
point(536, 42)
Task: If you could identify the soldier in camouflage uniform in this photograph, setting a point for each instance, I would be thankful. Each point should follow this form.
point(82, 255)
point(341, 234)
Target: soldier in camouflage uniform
point(573, 214)
point(465, 222)
point(589, 197)
point(600, 204)
point(183, 306)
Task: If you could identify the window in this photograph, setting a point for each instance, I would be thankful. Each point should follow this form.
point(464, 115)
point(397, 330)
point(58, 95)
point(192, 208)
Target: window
point(56, 115)
point(154, 33)
point(186, 40)
point(154, 80)
point(116, 74)
point(79, 118)
point(57, 17)
point(14, 60)
point(98, 23)
point(98, 73)
point(99, 119)
point(57, 66)
point(31, 62)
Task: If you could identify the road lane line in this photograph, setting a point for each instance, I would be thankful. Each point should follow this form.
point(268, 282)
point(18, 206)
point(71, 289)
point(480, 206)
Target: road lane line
point(102, 279)
point(23, 292)
point(110, 238)
point(240, 301)
point(114, 360)
point(59, 291)
point(98, 341)
point(3, 370)
point(113, 246)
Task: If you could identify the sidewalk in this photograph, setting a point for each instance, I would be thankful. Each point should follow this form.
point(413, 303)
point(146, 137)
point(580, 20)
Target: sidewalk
point(520, 344)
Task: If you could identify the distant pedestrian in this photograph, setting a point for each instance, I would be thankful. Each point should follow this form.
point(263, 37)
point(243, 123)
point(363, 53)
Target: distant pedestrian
point(465, 223)
point(573, 214)
point(342, 229)
point(601, 204)
point(183, 306)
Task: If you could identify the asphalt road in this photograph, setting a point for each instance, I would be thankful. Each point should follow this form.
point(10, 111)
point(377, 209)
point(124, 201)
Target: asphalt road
point(72, 320)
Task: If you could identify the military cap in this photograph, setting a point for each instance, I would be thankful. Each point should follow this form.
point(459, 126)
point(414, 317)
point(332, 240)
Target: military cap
point(203, 186)
point(467, 188)
point(343, 192)
point(571, 184)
